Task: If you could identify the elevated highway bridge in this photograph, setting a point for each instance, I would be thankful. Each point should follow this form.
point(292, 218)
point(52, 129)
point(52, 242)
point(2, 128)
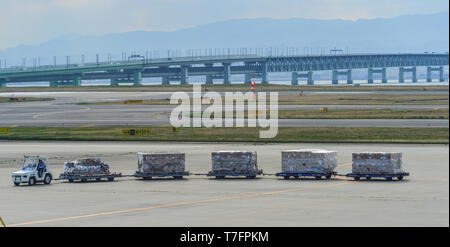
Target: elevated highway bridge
point(222, 67)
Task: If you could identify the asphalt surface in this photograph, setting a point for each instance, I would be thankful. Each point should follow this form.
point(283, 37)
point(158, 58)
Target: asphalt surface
point(420, 200)
point(65, 112)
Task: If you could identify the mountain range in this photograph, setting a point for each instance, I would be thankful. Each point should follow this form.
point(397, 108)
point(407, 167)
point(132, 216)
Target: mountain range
point(409, 33)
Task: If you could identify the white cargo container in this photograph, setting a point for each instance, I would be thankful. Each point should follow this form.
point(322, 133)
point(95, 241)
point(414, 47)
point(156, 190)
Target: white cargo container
point(161, 164)
point(377, 164)
point(308, 162)
point(234, 163)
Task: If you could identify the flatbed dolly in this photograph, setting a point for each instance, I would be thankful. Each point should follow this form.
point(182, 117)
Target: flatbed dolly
point(296, 175)
point(147, 176)
point(369, 176)
point(85, 178)
point(219, 174)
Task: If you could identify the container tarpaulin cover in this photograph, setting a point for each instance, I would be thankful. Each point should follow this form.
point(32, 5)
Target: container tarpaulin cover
point(308, 161)
point(161, 163)
point(234, 162)
point(377, 163)
point(86, 166)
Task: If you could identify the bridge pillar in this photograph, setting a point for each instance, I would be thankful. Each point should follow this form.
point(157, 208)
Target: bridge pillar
point(76, 80)
point(54, 84)
point(402, 71)
point(165, 80)
point(114, 82)
point(264, 73)
point(334, 77)
point(441, 73)
point(349, 77)
point(372, 71)
point(248, 76)
point(383, 75)
point(310, 80)
point(336, 73)
point(248, 79)
point(401, 78)
point(226, 73)
point(294, 81)
point(184, 74)
point(307, 75)
point(209, 78)
point(137, 78)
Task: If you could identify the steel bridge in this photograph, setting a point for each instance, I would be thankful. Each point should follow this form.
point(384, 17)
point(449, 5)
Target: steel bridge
point(222, 67)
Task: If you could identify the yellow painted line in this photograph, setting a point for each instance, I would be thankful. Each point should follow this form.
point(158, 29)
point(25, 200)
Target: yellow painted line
point(345, 164)
point(182, 204)
point(3, 223)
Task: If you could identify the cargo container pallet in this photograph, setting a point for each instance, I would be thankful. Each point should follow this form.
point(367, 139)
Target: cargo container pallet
point(222, 175)
point(85, 178)
point(369, 176)
point(297, 175)
point(147, 176)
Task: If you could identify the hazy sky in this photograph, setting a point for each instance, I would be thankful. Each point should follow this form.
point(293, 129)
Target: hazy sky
point(35, 21)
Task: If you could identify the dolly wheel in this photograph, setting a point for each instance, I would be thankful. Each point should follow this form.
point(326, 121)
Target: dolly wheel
point(98, 179)
point(356, 178)
point(16, 184)
point(318, 177)
point(71, 180)
point(286, 177)
point(368, 178)
point(220, 177)
point(400, 178)
point(251, 177)
point(110, 179)
point(296, 177)
point(389, 179)
point(328, 176)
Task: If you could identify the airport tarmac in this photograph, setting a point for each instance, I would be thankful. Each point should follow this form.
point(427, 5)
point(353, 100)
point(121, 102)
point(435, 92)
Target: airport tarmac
point(65, 112)
point(420, 200)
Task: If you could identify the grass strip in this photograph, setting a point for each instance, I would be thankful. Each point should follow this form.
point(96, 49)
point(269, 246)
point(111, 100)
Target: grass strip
point(285, 134)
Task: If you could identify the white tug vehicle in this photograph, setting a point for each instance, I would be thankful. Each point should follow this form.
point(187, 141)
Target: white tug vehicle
point(34, 169)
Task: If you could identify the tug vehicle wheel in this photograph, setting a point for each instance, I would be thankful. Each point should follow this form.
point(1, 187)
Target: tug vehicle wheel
point(47, 179)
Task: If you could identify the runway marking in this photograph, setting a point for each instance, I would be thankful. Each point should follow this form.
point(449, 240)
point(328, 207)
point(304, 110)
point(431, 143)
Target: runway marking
point(36, 116)
point(182, 204)
point(86, 126)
